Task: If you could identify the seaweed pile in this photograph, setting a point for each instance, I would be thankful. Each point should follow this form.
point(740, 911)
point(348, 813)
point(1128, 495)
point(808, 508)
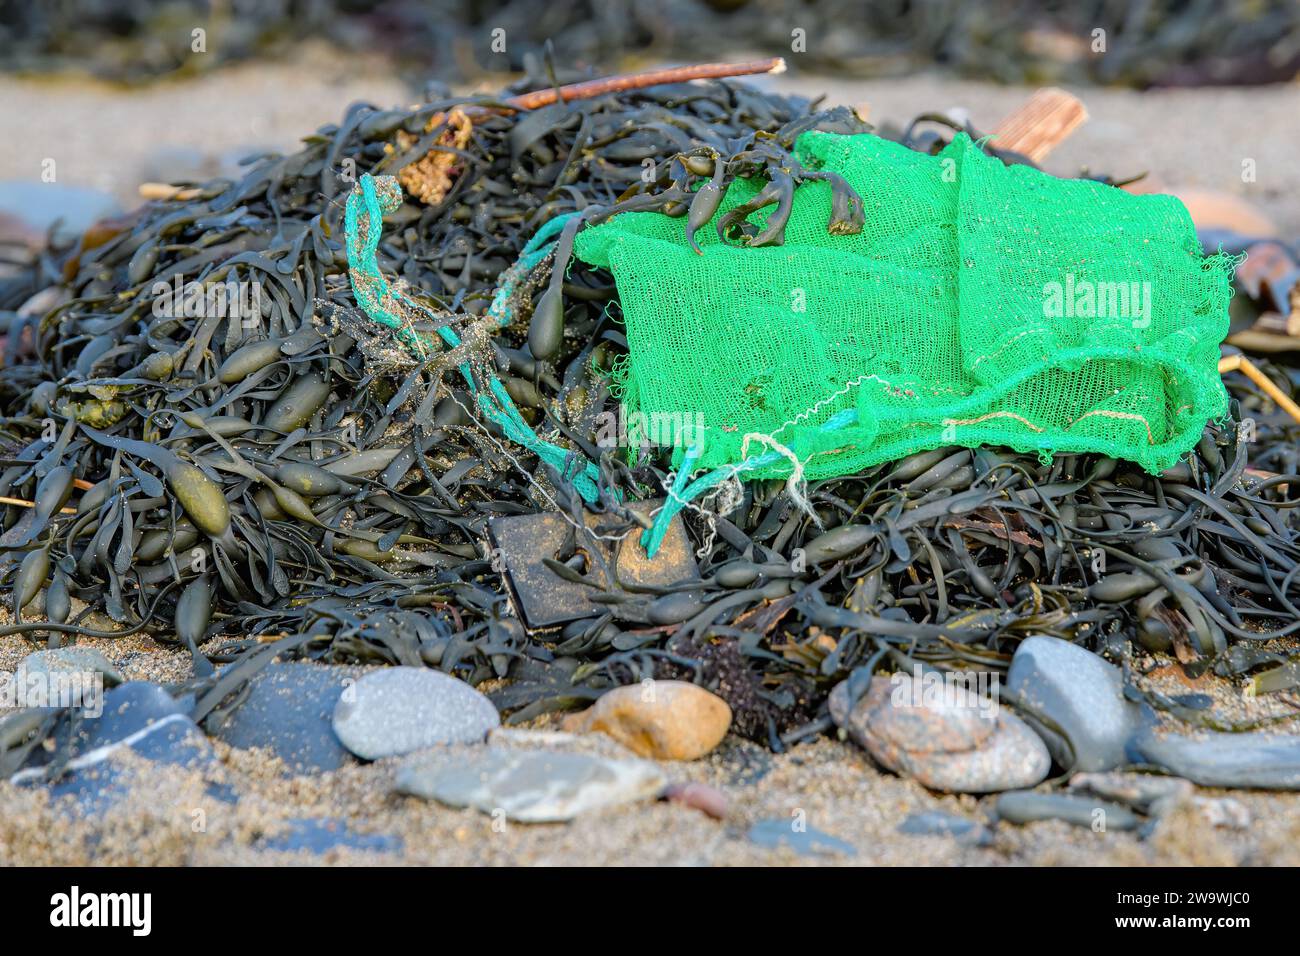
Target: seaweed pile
point(285, 480)
point(1161, 42)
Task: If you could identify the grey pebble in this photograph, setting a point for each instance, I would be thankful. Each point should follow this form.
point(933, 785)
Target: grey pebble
point(1247, 761)
point(1026, 806)
point(289, 712)
point(803, 840)
point(399, 710)
point(1059, 686)
point(530, 786)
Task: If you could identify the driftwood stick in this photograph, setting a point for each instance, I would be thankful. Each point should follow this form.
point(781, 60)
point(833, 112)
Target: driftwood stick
point(1044, 122)
point(636, 81)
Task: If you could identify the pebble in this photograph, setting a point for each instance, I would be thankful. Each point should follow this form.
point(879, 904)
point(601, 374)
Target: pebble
point(129, 709)
point(530, 786)
point(1194, 701)
point(67, 660)
point(803, 840)
point(1058, 684)
point(938, 823)
point(138, 716)
point(1244, 761)
point(1026, 806)
point(965, 744)
point(662, 719)
point(399, 710)
point(698, 796)
point(1141, 791)
point(289, 712)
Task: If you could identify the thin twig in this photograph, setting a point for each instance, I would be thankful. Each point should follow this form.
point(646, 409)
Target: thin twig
point(31, 504)
point(636, 81)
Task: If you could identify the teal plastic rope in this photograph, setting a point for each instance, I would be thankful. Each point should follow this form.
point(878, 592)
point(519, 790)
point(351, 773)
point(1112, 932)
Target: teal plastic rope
point(682, 494)
point(369, 200)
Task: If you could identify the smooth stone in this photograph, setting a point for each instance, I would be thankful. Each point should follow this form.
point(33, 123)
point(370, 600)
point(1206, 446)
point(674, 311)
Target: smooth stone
point(128, 709)
point(1195, 701)
point(68, 660)
point(142, 723)
point(1243, 761)
point(698, 796)
point(664, 720)
point(319, 835)
point(939, 823)
point(805, 841)
point(1056, 684)
point(1025, 806)
point(399, 710)
point(289, 711)
point(1141, 791)
point(530, 786)
point(40, 205)
point(965, 744)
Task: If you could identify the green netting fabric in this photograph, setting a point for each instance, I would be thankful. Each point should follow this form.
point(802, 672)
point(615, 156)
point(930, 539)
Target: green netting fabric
point(981, 304)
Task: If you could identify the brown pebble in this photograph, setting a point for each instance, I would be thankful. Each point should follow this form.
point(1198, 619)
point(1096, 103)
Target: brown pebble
point(663, 719)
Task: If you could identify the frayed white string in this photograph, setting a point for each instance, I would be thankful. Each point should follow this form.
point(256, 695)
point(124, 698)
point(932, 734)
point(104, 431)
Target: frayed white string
point(795, 484)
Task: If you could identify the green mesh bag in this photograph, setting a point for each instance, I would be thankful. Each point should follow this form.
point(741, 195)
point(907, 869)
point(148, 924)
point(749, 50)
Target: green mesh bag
point(980, 304)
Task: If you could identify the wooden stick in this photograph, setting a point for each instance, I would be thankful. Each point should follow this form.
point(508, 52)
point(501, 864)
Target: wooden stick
point(636, 81)
point(31, 504)
point(1044, 122)
point(1239, 363)
point(166, 191)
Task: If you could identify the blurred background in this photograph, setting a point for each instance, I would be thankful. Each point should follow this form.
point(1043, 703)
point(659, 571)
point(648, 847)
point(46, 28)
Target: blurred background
point(98, 96)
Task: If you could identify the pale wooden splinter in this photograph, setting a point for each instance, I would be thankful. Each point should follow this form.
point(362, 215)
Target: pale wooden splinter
point(1239, 363)
point(1044, 122)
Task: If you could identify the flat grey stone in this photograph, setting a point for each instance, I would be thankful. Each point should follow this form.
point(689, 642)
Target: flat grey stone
point(530, 786)
point(1057, 684)
point(805, 841)
point(1141, 791)
point(939, 823)
point(139, 717)
point(1025, 806)
point(399, 710)
point(1243, 761)
point(84, 663)
point(289, 711)
point(128, 709)
point(962, 743)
